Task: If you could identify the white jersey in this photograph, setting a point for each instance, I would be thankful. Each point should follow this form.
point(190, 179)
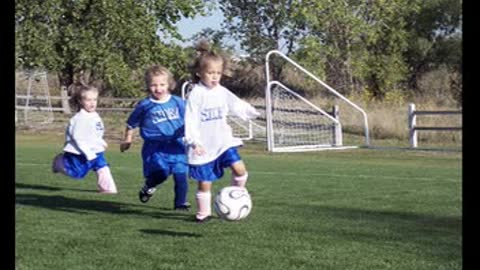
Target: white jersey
point(84, 134)
point(206, 121)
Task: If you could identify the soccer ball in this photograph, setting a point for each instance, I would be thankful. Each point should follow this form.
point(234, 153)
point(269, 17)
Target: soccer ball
point(233, 203)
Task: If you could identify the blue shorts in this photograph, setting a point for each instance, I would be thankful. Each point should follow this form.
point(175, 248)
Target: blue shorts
point(77, 166)
point(161, 159)
point(213, 170)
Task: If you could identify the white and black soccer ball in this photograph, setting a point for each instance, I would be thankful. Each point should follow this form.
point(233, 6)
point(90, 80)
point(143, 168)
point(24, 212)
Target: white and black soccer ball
point(233, 203)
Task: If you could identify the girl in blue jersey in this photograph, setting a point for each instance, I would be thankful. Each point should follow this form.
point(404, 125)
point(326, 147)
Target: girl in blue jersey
point(160, 117)
point(84, 144)
point(212, 146)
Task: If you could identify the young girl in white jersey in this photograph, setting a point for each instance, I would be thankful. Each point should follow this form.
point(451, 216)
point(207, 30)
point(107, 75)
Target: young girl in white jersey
point(84, 144)
point(212, 146)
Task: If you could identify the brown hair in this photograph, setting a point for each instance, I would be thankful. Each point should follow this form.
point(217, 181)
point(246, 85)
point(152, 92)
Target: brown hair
point(77, 91)
point(205, 54)
point(156, 70)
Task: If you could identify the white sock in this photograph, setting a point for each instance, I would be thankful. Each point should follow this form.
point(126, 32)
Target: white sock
point(105, 181)
point(204, 200)
point(239, 181)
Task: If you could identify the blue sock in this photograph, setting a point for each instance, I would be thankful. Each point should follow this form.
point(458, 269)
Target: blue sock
point(154, 180)
point(181, 188)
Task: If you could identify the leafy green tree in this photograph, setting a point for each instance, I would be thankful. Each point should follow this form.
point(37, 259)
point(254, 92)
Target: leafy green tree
point(357, 44)
point(263, 25)
point(217, 38)
point(354, 44)
point(435, 41)
point(111, 40)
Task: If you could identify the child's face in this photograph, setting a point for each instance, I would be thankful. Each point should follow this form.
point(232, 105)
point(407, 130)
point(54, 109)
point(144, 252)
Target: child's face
point(89, 101)
point(159, 86)
point(212, 73)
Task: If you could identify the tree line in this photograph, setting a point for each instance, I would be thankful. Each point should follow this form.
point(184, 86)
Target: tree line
point(374, 46)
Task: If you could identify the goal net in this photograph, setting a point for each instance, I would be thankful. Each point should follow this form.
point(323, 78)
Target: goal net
point(33, 107)
point(296, 124)
point(299, 125)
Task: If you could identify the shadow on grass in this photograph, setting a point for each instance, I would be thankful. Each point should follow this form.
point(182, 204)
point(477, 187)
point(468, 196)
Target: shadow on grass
point(171, 233)
point(437, 236)
point(49, 188)
point(84, 206)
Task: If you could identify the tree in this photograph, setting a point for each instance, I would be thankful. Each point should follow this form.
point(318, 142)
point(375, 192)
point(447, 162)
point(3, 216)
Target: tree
point(264, 25)
point(111, 40)
point(357, 44)
point(435, 41)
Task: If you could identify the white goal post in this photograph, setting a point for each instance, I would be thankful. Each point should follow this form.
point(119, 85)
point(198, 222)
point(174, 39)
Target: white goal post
point(33, 106)
point(294, 124)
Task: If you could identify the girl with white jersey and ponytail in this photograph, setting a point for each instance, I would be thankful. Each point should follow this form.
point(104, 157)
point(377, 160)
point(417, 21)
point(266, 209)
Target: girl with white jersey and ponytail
point(211, 144)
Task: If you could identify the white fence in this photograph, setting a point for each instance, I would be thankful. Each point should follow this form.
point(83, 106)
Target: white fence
point(65, 107)
point(413, 128)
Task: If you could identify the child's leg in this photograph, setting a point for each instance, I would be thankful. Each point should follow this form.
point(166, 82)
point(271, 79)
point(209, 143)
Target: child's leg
point(58, 164)
point(105, 181)
point(181, 189)
point(204, 200)
point(154, 180)
point(149, 187)
point(239, 174)
point(73, 165)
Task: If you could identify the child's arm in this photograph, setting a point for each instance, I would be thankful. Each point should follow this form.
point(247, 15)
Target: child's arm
point(198, 150)
point(127, 141)
point(133, 122)
point(240, 107)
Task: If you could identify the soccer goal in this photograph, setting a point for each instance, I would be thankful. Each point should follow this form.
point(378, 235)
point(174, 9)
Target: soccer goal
point(295, 124)
point(240, 128)
point(33, 106)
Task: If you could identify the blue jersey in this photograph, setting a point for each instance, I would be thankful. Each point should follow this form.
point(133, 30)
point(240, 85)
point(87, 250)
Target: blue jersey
point(159, 121)
point(162, 129)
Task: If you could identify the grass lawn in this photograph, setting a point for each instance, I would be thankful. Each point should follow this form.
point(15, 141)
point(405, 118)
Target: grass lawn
point(350, 209)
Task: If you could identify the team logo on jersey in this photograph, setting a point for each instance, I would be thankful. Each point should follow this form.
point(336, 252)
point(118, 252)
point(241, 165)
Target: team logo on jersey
point(211, 114)
point(165, 114)
point(99, 126)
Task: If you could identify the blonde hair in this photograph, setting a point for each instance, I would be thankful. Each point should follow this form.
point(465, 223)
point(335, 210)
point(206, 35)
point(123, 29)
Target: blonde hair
point(156, 70)
point(205, 55)
point(77, 92)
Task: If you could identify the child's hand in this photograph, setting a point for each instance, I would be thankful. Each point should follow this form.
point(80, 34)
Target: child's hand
point(252, 113)
point(199, 150)
point(124, 146)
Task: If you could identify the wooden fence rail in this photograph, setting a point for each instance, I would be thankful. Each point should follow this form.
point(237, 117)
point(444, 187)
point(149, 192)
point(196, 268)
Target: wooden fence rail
point(65, 107)
point(413, 128)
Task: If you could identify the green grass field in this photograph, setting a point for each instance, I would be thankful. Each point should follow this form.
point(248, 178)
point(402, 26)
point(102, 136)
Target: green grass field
point(352, 209)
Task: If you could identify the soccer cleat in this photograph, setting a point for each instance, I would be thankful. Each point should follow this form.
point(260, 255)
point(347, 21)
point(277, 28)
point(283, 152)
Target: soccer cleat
point(203, 220)
point(144, 196)
point(184, 207)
